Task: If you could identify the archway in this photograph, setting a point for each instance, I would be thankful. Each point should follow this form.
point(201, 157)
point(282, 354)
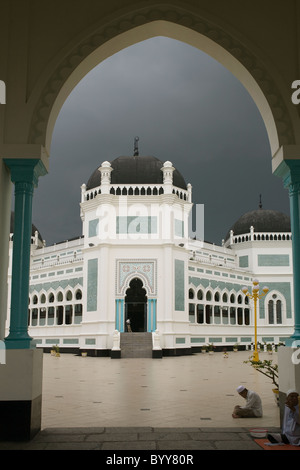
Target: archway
point(215, 36)
point(136, 306)
point(271, 99)
point(39, 83)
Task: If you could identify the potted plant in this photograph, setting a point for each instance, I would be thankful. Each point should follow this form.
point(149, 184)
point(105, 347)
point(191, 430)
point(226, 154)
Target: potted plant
point(210, 348)
point(270, 370)
point(83, 353)
point(55, 349)
point(269, 348)
point(203, 348)
point(236, 347)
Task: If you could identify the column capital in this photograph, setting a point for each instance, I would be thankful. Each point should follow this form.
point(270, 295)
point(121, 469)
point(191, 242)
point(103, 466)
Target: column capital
point(289, 171)
point(25, 170)
point(285, 153)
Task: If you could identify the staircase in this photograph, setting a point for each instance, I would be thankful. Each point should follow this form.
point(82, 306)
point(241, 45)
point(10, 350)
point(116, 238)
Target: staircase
point(136, 345)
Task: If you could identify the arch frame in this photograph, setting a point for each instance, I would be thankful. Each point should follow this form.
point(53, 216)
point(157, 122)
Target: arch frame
point(220, 41)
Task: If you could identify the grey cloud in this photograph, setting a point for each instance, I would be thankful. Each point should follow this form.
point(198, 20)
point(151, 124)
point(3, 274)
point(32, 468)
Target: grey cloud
point(186, 108)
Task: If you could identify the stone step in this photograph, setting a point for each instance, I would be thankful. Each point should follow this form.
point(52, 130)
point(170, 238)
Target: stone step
point(136, 345)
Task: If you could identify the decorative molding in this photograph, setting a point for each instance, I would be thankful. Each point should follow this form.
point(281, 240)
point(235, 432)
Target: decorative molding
point(145, 269)
point(173, 14)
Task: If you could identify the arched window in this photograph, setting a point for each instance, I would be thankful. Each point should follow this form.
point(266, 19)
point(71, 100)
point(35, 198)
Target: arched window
point(271, 312)
point(78, 294)
point(199, 294)
point(78, 313)
point(191, 294)
point(274, 310)
point(192, 313)
point(278, 312)
point(69, 295)
point(200, 313)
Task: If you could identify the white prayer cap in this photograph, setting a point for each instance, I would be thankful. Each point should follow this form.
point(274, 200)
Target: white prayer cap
point(240, 388)
point(292, 390)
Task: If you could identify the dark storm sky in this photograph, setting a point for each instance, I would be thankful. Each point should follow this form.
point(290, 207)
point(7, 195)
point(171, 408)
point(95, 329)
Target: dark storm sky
point(185, 107)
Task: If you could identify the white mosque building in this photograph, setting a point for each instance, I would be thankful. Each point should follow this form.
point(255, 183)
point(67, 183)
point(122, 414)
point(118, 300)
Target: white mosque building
point(135, 261)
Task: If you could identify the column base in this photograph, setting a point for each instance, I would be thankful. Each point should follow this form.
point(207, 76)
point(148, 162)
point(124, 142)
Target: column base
point(19, 343)
point(21, 394)
point(294, 340)
point(21, 420)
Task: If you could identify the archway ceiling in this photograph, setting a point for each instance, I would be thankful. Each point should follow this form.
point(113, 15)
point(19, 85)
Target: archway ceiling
point(93, 30)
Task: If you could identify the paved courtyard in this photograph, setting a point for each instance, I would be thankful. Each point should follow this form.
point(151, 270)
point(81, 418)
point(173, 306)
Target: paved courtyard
point(173, 392)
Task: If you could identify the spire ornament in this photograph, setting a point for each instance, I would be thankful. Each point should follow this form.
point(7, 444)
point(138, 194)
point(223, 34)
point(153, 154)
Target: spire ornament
point(136, 148)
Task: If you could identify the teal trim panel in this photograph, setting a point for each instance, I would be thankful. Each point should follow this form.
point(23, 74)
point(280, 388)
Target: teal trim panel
point(179, 228)
point(54, 285)
point(93, 227)
point(92, 285)
point(136, 225)
point(243, 261)
point(273, 260)
point(179, 285)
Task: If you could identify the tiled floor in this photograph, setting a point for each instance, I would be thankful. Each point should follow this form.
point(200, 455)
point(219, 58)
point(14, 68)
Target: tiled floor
point(187, 391)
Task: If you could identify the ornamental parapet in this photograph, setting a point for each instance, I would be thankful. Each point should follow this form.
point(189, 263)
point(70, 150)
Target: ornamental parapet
point(257, 236)
point(136, 190)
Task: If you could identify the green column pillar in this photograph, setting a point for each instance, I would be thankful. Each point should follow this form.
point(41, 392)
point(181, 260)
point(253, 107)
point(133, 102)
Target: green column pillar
point(24, 174)
point(289, 170)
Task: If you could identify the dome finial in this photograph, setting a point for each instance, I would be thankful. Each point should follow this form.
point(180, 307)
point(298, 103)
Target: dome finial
point(260, 203)
point(136, 148)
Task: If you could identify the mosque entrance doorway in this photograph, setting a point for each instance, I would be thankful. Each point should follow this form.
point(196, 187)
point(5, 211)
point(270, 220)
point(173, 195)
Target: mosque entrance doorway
point(136, 306)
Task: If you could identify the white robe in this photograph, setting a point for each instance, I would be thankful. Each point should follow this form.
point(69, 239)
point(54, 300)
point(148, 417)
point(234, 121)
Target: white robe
point(291, 425)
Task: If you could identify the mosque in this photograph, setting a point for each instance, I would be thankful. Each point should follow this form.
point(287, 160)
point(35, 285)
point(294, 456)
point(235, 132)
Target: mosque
point(135, 260)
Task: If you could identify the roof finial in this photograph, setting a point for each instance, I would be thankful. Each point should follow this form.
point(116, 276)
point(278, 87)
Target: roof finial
point(260, 203)
point(136, 148)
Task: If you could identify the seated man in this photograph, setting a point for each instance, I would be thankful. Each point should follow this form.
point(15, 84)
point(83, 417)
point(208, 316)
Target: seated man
point(253, 407)
point(291, 422)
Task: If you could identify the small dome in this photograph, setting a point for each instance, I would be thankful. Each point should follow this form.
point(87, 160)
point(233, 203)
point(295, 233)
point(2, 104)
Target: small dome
point(262, 220)
point(33, 230)
point(136, 170)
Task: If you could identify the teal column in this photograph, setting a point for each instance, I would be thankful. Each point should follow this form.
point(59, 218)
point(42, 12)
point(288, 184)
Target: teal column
point(120, 315)
point(149, 315)
point(289, 170)
point(122, 326)
point(151, 323)
point(117, 323)
point(24, 174)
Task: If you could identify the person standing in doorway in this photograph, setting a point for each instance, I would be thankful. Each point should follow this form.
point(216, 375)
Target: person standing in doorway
point(128, 325)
